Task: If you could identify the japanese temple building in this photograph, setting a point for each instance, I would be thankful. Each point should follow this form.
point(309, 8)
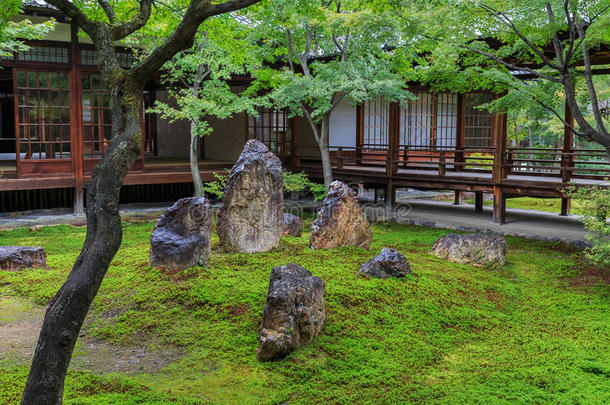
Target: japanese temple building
point(55, 125)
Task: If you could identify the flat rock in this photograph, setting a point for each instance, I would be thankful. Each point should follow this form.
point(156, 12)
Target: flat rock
point(252, 212)
point(293, 225)
point(21, 257)
point(181, 237)
point(294, 312)
point(340, 221)
point(388, 263)
point(478, 249)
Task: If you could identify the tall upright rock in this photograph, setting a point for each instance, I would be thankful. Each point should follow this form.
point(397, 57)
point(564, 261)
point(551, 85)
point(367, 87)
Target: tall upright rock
point(340, 221)
point(252, 212)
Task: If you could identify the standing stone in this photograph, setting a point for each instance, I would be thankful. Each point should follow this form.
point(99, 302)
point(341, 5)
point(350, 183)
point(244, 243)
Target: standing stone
point(293, 225)
point(252, 213)
point(294, 312)
point(389, 263)
point(478, 249)
point(340, 221)
point(181, 237)
point(21, 257)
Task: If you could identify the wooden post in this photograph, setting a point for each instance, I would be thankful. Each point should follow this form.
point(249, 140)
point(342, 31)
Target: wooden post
point(566, 157)
point(359, 133)
point(478, 201)
point(339, 157)
point(498, 172)
point(390, 196)
point(392, 139)
point(459, 136)
point(459, 198)
point(499, 213)
point(76, 133)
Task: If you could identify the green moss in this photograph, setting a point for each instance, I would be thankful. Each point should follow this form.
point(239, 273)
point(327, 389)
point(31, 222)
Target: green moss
point(448, 333)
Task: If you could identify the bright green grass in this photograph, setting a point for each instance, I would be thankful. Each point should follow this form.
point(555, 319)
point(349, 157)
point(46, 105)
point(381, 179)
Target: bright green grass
point(447, 333)
point(531, 203)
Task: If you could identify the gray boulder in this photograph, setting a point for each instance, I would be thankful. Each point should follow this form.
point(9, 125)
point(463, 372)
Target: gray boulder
point(20, 257)
point(293, 225)
point(181, 237)
point(478, 249)
point(340, 221)
point(389, 263)
point(294, 312)
point(252, 212)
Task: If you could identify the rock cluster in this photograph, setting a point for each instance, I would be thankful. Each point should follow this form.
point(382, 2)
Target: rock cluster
point(389, 263)
point(478, 249)
point(294, 312)
point(293, 225)
point(181, 237)
point(21, 257)
point(252, 212)
point(340, 221)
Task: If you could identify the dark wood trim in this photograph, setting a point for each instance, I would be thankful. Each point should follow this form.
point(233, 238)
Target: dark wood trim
point(76, 130)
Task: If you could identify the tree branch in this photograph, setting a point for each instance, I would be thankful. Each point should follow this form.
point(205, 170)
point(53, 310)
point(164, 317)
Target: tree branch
point(511, 66)
point(76, 15)
point(183, 37)
point(108, 10)
point(135, 23)
point(508, 22)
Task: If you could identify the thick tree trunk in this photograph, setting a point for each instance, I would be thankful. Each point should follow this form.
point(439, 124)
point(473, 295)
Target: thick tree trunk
point(69, 307)
point(194, 157)
point(327, 169)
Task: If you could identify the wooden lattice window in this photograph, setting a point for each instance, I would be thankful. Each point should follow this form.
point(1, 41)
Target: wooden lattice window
point(89, 57)
point(45, 54)
point(96, 116)
point(273, 129)
point(375, 124)
point(478, 123)
point(43, 105)
point(429, 121)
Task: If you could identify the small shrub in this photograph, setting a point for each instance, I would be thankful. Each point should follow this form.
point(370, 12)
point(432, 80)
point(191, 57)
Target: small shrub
point(293, 183)
point(595, 208)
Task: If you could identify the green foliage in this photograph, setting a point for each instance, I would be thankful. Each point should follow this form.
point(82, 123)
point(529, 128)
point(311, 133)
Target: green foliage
point(300, 183)
point(293, 183)
point(13, 31)
point(595, 209)
point(448, 333)
point(216, 188)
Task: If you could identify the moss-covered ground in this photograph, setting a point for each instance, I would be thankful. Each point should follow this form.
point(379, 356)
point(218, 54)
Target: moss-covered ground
point(535, 331)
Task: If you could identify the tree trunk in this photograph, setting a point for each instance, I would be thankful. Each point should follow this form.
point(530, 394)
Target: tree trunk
point(194, 156)
point(68, 309)
point(327, 169)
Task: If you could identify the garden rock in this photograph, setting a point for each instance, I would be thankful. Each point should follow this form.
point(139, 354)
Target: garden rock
point(252, 212)
point(389, 263)
point(294, 312)
point(478, 249)
point(181, 237)
point(293, 225)
point(20, 257)
point(340, 220)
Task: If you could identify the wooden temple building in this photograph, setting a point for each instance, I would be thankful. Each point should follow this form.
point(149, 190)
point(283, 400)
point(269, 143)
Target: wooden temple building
point(55, 125)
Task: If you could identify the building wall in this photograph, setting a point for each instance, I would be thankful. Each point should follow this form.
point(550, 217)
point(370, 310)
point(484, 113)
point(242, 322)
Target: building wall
point(173, 140)
point(343, 125)
point(227, 140)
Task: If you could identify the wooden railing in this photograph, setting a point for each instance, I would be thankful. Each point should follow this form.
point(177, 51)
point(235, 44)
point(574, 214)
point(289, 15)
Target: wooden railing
point(579, 163)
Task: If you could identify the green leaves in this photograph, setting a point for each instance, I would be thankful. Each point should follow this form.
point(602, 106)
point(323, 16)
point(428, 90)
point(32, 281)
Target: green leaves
point(14, 29)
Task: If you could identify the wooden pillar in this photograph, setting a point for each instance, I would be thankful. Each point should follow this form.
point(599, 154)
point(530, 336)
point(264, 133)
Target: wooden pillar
point(359, 132)
point(390, 196)
point(498, 172)
point(459, 198)
point(394, 117)
point(566, 157)
point(75, 131)
point(478, 201)
point(499, 212)
point(459, 136)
